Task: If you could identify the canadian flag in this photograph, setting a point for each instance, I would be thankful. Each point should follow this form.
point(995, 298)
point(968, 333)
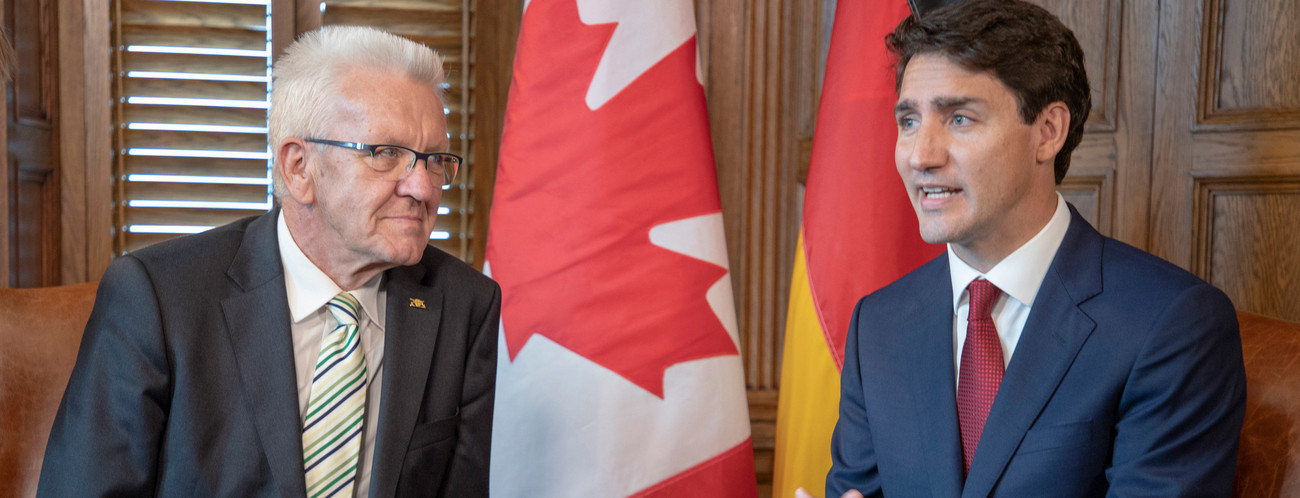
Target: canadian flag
point(619, 371)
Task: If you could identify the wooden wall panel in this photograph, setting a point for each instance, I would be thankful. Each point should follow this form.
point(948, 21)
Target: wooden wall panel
point(762, 69)
point(1226, 163)
point(32, 162)
point(84, 145)
point(1093, 196)
point(1251, 52)
point(1096, 24)
point(1119, 43)
point(1241, 226)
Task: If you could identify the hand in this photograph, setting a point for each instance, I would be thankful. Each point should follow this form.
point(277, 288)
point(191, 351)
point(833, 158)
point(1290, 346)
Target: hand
point(852, 493)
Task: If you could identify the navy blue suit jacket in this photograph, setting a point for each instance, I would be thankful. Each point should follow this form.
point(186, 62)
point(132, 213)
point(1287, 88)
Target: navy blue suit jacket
point(1127, 381)
point(185, 385)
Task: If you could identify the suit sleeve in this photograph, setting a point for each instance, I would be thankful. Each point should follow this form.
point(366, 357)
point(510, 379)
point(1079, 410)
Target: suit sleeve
point(1180, 414)
point(468, 473)
point(853, 456)
point(109, 424)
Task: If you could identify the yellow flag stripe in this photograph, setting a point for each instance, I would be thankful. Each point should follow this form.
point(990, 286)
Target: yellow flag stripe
point(810, 394)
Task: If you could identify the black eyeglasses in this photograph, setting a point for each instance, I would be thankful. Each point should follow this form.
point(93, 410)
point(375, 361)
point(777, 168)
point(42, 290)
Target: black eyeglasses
point(395, 162)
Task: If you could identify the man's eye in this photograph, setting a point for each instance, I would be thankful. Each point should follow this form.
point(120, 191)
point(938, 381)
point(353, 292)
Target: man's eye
point(906, 122)
point(961, 120)
point(388, 152)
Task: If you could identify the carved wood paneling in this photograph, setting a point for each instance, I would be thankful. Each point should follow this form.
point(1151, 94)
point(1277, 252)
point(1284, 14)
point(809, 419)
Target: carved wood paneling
point(761, 68)
point(495, 28)
point(1119, 42)
point(1250, 54)
point(1096, 24)
point(751, 71)
point(1237, 154)
point(1093, 196)
point(85, 133)
point(33, 198)
point(1226, 138)
point(762, 416)
point(1245, 233)
point(5, 212)
point(1171, 185)
point(32, 128)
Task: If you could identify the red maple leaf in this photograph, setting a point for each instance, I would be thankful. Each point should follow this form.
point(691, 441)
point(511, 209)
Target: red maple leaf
point(577, 193)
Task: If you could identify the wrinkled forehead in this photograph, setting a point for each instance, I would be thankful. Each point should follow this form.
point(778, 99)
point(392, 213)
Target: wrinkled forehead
point(389, 109)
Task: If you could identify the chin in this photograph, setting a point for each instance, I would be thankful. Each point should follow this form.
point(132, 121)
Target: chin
point(936, 234)
point(405, 255)
point(414, 256)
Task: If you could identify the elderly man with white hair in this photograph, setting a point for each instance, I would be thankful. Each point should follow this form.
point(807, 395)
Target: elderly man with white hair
point(321, 349)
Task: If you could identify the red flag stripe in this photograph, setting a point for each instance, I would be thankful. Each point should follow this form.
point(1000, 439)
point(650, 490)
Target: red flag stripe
point(860, 231)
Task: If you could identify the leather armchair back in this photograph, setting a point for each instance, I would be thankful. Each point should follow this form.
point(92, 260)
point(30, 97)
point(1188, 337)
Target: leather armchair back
point(1268, 464)
point(40, 332)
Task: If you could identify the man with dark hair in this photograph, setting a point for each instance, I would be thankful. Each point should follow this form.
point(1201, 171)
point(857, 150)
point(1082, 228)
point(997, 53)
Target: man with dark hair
point(1036, 357)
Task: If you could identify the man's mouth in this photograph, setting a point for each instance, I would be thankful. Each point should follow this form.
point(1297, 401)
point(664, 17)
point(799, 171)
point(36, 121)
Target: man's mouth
point(939, 192)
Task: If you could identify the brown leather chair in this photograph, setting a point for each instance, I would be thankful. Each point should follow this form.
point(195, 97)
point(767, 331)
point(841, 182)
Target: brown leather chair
point(1269, 462)
point(40, 331)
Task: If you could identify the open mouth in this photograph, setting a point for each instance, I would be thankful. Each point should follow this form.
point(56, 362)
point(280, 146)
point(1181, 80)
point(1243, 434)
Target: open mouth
point(939, 192)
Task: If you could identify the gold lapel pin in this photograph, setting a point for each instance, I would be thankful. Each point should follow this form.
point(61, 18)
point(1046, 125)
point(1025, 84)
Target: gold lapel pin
point(417, 303)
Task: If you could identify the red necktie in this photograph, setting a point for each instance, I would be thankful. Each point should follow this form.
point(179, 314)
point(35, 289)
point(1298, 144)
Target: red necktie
point(981, 368)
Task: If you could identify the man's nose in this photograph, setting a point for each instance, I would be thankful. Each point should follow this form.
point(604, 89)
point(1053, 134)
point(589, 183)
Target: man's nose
point(420, 184)
point(929, 148)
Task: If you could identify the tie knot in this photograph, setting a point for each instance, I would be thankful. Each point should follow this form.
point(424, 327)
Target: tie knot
point(345, 308)
point(982, 296)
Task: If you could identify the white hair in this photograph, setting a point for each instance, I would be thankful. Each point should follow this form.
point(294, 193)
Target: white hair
point(307, 77)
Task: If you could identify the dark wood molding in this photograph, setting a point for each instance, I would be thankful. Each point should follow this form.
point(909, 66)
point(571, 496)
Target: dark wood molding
point(1211, 112)
point(4, 176)
point(762, 64)
point(1238, 225)
point(1094, 197)
point(284, 29)
point(85, 131)
point(495, 28)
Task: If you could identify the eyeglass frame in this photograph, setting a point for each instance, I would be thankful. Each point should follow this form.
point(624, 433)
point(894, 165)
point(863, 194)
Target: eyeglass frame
point(371, 148)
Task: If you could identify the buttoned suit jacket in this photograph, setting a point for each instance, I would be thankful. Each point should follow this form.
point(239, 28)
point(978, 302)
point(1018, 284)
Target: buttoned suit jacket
point(1127, 381)
point(185, 383)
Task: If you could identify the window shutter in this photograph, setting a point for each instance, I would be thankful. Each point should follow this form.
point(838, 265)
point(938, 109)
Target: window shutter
point(191, 82)
point(191, 85)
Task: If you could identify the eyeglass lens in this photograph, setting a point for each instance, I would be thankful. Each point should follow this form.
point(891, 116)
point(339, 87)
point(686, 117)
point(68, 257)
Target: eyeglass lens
point(399, 162)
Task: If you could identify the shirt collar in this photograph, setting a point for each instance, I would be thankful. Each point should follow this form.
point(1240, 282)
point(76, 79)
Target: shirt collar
point(1021, 273)
point(308, 288)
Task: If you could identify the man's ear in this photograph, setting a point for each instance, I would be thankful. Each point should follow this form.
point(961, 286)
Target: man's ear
point(1053, 126)
point(291, 157)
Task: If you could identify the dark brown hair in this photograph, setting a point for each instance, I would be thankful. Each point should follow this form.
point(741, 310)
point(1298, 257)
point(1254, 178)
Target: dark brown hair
point(1021, 44)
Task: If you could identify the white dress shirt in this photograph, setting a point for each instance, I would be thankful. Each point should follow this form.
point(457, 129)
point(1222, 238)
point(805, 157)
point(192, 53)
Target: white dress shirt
point(1019, 275)
point(309, 289)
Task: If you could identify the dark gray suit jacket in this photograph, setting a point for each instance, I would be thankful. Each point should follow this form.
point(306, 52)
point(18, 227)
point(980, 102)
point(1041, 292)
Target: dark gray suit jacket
point(1127, 381)
point(185, 385)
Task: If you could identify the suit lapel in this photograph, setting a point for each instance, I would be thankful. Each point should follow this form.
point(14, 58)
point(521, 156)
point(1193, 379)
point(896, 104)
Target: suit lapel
point(257, 321)
point(1054, 332)
point(409, 337)
point(928, 360)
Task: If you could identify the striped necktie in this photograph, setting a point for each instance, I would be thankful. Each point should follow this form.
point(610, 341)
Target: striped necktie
point(331, 434)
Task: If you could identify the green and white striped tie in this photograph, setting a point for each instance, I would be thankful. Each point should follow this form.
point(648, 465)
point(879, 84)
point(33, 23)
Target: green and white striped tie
point(331, 434)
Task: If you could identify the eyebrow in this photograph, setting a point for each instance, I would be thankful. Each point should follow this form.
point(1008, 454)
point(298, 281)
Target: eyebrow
point(943, 104)
point(905, 106)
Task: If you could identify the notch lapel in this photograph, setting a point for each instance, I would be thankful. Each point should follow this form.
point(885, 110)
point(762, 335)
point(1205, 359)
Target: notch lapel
point(1054, 332)
point(928, 360)
point(258, 324)
point(409, 338)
